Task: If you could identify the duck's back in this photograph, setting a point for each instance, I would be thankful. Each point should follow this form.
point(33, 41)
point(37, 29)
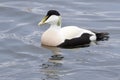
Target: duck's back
point(71, 32)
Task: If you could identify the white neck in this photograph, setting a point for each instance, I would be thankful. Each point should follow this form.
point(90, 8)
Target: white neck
point(55, 26)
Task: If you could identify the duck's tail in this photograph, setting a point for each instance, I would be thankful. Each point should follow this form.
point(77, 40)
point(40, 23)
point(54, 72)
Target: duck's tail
point(102, 36)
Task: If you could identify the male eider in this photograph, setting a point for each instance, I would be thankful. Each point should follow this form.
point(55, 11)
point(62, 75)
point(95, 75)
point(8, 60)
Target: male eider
point(69, 36)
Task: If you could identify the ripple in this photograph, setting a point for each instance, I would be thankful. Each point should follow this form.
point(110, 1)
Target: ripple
point(21, 53)
point(29, 39)
point(110, 13)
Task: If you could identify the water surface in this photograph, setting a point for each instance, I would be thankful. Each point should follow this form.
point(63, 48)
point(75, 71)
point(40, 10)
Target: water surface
point(23, 58)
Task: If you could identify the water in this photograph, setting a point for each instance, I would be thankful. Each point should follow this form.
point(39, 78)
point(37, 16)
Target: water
point(23, 58)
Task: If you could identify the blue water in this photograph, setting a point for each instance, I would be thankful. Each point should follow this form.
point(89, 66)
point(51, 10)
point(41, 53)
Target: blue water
point(23, 58)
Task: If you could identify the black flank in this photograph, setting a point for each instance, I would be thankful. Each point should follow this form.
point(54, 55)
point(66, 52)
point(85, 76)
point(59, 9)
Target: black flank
point(82, 41)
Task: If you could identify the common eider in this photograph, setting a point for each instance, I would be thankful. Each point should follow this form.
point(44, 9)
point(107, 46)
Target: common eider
point(68, 36)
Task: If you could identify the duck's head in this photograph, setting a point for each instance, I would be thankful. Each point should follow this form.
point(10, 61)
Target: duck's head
point(52, 17)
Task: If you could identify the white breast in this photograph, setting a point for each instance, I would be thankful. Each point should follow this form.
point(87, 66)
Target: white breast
point(52, 37)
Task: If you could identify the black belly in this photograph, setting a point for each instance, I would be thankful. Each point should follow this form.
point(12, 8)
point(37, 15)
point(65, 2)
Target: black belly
point(82, 41)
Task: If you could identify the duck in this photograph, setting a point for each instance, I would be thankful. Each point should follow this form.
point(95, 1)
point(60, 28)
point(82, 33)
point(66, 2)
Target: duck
point(68, 36)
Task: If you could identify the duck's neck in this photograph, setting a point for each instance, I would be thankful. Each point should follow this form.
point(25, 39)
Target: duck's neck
point(56, 24)
point(55, 27)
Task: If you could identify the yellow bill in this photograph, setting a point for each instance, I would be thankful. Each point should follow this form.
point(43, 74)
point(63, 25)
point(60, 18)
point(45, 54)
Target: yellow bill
point(43, 21)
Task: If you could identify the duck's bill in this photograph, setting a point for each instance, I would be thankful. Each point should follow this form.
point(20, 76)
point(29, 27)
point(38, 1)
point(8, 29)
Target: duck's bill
point(43, 21)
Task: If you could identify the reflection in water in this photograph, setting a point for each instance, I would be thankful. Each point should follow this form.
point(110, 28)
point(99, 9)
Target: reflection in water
point(51, 69)
point(55, 50)
point(57, 54)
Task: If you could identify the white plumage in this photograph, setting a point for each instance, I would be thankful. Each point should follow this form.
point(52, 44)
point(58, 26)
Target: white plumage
point(67, 36)
point(71, 32)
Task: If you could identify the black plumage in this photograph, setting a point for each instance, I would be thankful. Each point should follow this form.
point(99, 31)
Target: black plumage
point(53, 12)
point(81, 41)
